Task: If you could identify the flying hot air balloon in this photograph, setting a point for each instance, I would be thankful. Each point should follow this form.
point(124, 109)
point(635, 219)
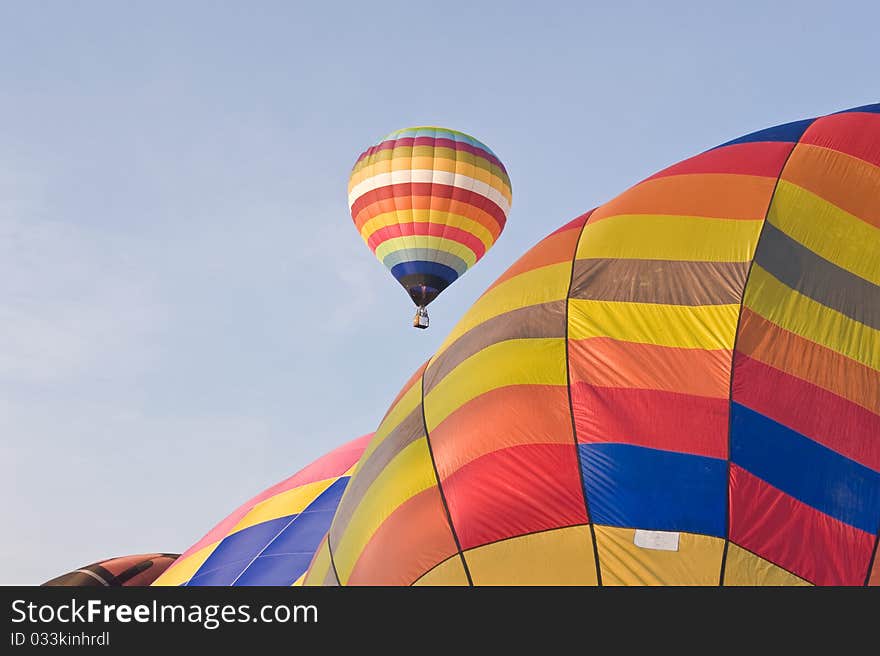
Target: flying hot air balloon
point(429, 202)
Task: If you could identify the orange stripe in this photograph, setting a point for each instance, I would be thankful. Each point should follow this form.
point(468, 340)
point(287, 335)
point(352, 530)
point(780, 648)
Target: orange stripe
point(763, 340)
point(442, 205)
point(606, 362)
point(558, 247)
point(720, 196)
point(852, 186)
point(413, 539)
point(501, 418)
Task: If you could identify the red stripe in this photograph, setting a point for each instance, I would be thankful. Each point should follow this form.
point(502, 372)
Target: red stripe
point(853, 133)
point(651, 418)
point(514, 491)
point(764, 159)
point(407, 142)
point(791, 534)
point(839, 424)
point(430, 229)
point(429, 190)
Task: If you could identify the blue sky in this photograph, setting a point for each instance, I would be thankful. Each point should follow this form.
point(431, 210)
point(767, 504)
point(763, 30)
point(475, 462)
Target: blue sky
point(188, 315)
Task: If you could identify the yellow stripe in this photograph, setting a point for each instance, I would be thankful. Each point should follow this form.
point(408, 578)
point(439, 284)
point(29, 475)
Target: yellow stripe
point(489, 177)
point(299, 582)
point(745, 568)
point(697, 561)
point(684, 326)
point(285, 503)
point(400, 411)
point(660, 237)
point(802, 315)
point(538, 361)
point(449, 572)
point(184, 569)
point(541, 285)
point(409, 472)
point(424, 241)
point(427, 216)
point(559, 557)
point(319, 567)
point(827, 230)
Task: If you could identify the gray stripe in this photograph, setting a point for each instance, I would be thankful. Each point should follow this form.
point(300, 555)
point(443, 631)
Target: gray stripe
point(671, 282)
point(408, 431)
point(812, 275)
point(544, 320)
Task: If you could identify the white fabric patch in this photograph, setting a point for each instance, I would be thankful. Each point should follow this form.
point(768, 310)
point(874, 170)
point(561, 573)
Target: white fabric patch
point(659, 540)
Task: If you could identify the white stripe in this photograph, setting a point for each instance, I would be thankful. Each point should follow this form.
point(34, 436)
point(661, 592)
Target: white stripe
point(427, 175)
point(93, 575)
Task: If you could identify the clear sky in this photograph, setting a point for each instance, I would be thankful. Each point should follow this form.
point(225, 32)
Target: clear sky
point(187, 313)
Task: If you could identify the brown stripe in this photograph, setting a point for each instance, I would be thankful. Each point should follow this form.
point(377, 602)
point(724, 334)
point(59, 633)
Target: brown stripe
point(330, 577)
point(798, 267)
point(671, 282)
point(330, 580)
point(406, 432)
point(544, 320)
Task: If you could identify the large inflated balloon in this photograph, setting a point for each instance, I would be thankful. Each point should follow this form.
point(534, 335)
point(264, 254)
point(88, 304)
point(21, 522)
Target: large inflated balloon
point(429, 202)
point(137, 570)
point(270, 539)
point(681, 387)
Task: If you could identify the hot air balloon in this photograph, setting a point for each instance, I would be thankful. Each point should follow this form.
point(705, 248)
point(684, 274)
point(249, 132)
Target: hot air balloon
point(429, 202)
point(270, 539)
point(679, 387)
point(130, 571)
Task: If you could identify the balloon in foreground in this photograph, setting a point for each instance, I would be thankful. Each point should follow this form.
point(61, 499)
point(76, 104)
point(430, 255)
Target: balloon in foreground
point(429, 202)
point(270, 539)
point(680, 387)
point(137, 570)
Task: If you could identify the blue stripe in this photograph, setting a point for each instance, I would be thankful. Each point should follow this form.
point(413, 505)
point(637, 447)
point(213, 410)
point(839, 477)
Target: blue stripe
point(239, 547)
point(638, 487)
point(403, 255)
point(222, 575)
point(806, 470)
point(283, 569)
point(790, 132)
point(870, 109)
point(294, 547)
point(429, 268)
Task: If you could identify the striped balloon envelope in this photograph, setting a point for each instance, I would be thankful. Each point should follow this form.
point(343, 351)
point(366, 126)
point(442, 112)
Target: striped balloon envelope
point(679, 387)
point(270, 539)
point(429, 202)
point(127, 571)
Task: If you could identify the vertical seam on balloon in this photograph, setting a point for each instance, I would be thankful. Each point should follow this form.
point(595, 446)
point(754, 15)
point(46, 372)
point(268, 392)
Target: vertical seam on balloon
point(577, 449)
point(467, 571)
point(873, 557)
point(742, 301)
point(332, 560)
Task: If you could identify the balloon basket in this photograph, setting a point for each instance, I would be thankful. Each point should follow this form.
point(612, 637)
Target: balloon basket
point(421, 318)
